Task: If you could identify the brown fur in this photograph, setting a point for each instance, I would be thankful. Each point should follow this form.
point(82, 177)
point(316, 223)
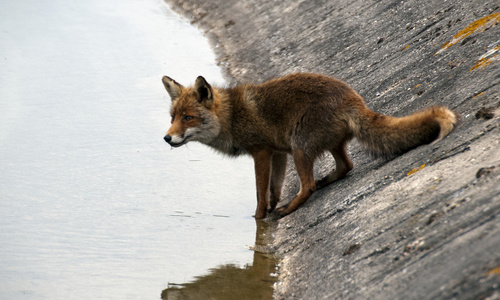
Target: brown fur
point(301, 114)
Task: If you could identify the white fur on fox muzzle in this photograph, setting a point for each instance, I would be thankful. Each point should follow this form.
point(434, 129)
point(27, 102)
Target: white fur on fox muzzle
point(175, 140)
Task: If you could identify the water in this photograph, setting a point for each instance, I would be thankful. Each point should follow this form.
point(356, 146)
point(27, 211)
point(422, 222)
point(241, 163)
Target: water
point(93, 203)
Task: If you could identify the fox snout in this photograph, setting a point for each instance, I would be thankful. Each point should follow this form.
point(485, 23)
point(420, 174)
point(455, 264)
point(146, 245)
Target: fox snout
point(176, 140)
point(168, 138)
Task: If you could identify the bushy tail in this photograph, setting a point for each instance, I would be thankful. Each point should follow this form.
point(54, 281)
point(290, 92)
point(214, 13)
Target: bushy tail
point(385, 135)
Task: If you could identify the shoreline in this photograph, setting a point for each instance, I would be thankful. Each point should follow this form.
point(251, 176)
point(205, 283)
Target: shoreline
point(385, 231)
point(196, 20)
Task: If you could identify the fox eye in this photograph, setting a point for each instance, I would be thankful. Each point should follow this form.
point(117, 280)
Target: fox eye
point(188, 118)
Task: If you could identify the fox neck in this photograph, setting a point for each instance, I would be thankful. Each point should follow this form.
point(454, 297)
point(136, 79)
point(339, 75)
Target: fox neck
point(226, 146)
point(223, 108)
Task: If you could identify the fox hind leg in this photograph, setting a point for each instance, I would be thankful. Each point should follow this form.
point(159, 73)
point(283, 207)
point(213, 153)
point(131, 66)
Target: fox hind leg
point(278, 169)
point(343, 166)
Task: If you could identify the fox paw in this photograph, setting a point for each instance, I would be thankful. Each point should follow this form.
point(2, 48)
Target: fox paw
point(279, 213)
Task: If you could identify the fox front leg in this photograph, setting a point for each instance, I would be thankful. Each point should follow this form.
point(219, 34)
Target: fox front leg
point(262, 162)
point(304, 167)
point(277, 178)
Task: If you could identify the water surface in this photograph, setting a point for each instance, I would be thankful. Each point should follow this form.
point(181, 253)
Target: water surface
point(93, 203)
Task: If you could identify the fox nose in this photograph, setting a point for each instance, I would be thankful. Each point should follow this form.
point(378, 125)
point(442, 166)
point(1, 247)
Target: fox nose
point(167, 138)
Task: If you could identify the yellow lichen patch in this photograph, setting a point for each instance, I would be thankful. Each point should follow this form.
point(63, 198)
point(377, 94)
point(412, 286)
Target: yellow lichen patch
point(415, 170)
point(487, 58)
point(495, 271)
point(476, 26)
point(478, 95)
point(483, 62)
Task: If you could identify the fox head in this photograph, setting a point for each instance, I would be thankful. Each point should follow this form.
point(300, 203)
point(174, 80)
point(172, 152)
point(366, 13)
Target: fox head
point(193, 112)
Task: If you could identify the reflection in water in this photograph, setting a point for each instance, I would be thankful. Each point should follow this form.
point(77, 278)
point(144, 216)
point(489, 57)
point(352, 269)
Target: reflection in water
point(231, 282)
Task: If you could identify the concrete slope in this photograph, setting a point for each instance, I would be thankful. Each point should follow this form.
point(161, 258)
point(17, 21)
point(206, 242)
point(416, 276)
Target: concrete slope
point(426, 224)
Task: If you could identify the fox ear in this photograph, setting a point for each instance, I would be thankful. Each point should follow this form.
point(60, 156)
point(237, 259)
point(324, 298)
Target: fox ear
point(173, 88)
point(204, 91)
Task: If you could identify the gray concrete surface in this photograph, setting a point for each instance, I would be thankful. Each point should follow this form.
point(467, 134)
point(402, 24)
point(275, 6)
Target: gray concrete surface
point(382, 233)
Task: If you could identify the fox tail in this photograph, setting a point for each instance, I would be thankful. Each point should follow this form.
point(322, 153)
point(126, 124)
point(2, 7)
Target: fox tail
point(386, 135)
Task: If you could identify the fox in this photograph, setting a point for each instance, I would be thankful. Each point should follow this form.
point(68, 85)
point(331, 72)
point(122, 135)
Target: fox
point(304, 115)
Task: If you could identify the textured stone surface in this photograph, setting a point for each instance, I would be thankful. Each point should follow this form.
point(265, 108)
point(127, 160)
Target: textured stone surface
point(381, 233)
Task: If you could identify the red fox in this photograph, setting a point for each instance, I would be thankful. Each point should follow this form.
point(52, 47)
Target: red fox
point(301, 114)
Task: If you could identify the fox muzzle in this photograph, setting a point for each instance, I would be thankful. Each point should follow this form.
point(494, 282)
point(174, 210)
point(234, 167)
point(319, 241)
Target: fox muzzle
point(176, 141)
